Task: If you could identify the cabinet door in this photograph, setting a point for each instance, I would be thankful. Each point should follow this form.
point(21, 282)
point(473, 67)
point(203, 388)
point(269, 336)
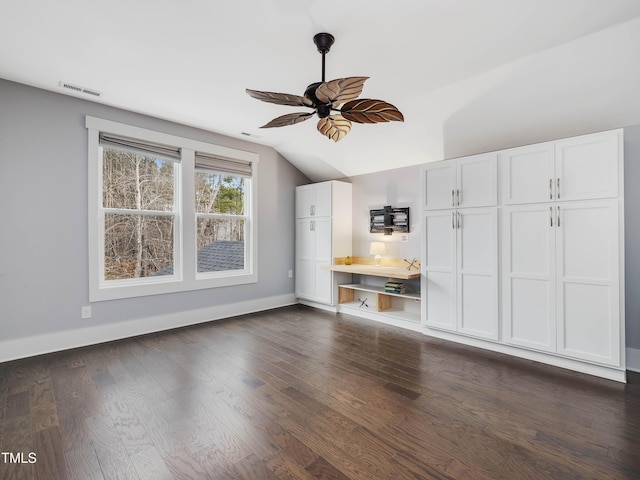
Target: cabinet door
point(439, 185)
point(440, 269)
point(323, 278)
point(588, 288)
point(528, 174)
point(477, 181)
point(304, 201)
point(322, 199)
point(587, 167)
point(305, 259)
point(477, 278)
point(528, 276)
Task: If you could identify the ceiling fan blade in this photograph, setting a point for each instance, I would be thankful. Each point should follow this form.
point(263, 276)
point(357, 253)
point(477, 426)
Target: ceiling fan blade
point(340, 90)
point(280, 98)
point(334, 126)
point(368, 110)
point(289, 119)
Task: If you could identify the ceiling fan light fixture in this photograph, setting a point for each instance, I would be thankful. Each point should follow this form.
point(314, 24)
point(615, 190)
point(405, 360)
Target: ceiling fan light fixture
point(335, 102)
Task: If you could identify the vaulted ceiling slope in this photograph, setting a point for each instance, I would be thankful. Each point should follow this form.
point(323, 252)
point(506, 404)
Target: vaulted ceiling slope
point(468, 76)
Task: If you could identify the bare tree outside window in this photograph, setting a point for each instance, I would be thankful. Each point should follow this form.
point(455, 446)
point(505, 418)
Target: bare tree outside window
point(138, 196)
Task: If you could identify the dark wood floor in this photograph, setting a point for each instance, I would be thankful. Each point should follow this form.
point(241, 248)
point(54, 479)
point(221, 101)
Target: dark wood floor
point(297, 393)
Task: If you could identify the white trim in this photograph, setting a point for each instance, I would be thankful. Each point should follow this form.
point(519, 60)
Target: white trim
point(319, 306)
point(633, 359)
point(387, 319)
point(81, 337)
point(612, 373)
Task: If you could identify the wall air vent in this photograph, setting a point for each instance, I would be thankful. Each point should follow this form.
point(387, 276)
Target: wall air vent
point(78, 89)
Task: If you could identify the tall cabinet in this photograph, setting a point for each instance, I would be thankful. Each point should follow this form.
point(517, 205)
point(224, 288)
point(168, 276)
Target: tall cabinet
point(561, 247)
point(539, 273)
point(323, 232)
point(461, 249)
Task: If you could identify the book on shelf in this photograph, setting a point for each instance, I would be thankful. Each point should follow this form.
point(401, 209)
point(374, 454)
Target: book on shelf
point(394, 287)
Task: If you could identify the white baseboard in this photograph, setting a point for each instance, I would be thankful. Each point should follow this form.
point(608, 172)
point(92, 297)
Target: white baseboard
point(611, 373)
point(81, 337)
point(633, 359)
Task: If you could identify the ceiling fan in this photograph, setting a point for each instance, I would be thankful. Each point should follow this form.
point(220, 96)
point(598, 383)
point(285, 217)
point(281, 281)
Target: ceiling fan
point(336, 102)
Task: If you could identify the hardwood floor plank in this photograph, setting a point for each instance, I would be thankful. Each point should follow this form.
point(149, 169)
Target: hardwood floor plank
point(18, 405)
point(50, 463)
point(17, 439)
point(44, 413)
point(322, 469)
point(253, 468)
point(80, 456)
point(184, 466)
point(112, 455)
point(286, 468)
point(150, 465)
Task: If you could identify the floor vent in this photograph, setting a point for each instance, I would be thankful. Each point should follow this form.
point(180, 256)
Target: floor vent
point(78, 89)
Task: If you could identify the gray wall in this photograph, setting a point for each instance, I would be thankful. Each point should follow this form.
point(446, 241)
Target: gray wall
point(43, 229)
point(632, 234)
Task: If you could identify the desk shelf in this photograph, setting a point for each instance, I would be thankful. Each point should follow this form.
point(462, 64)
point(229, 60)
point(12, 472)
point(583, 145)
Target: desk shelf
point(384, 301)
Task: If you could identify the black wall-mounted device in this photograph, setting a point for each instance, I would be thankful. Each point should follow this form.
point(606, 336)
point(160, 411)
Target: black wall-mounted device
point(389, 219)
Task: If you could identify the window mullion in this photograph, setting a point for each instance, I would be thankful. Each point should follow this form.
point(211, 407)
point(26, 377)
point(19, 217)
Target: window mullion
point(188, 216)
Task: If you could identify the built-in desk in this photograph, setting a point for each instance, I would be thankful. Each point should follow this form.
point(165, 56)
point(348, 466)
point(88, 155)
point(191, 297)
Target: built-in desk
point(372, 301)
point(381, 271)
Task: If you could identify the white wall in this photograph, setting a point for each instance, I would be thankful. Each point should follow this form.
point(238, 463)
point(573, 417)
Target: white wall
point(398, 187)
point(43, 230)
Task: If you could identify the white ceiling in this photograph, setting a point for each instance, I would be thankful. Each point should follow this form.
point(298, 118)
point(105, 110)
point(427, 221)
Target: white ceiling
point(468, 75)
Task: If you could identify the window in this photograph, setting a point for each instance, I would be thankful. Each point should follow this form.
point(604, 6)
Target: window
point(167, 214)
point(220, 194)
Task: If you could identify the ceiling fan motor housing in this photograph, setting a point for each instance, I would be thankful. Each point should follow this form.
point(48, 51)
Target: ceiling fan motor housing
point(323, 110)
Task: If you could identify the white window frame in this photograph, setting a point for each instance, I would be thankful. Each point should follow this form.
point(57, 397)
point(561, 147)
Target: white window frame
point(185, 276)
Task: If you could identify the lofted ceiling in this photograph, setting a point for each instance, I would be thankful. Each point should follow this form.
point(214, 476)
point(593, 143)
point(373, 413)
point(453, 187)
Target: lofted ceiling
point(468, 75)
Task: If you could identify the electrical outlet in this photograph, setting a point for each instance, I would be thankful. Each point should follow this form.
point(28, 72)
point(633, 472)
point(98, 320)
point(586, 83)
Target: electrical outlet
point(86, 312)
point(290, 273)
point(404, 238)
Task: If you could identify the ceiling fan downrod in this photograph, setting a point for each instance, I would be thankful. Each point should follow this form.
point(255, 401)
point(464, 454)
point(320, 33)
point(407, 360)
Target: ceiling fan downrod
point(323, 41)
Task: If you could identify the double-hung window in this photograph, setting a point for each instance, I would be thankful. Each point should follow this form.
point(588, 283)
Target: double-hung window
point(221, 191)
point(166, 213)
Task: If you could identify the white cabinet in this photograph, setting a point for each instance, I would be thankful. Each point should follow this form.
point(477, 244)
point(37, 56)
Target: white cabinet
point(460, 268)
point(561, 279)
point(561, 230)
point(579, 168)
point(314, 200)
point(323, 232)
point(313, 250)
point(463, 182)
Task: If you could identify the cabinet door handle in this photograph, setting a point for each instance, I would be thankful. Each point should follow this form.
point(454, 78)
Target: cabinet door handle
point(453, 198)
point(551, 216)
point(558, 215)
point(312, 225)
point(558, 189)
point(459, 223)
point(550, 189)
point(458, 194)
point(453, 220)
